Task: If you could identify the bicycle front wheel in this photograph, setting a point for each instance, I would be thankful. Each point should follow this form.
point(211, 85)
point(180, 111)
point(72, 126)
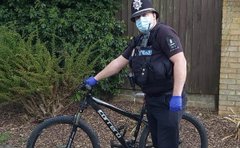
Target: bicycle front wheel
point(58, 133)
point(191, 131)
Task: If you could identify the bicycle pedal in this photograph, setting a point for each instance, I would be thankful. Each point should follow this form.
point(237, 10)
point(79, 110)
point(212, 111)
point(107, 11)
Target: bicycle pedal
point(115, 144)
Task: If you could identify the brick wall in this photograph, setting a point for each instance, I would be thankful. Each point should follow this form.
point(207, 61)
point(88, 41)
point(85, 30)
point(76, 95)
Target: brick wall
point(229, 87)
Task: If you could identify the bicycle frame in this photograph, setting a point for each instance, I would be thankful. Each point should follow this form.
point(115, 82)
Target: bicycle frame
point(95, 102)
point(76, 122)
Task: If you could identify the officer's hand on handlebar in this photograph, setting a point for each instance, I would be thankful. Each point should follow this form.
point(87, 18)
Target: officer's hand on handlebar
point(88, 83)
point(176, 103)
point(91, 81)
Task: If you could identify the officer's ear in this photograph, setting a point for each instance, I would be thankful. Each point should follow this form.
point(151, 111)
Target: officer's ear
point(154, 15)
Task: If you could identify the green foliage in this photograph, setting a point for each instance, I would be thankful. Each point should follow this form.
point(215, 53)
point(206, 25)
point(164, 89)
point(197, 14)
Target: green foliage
point(4, 137)
point(37, 78)
point(76, 22)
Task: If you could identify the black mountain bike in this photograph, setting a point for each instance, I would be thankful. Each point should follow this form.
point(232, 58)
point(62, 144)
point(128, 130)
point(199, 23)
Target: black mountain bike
point(73, 131)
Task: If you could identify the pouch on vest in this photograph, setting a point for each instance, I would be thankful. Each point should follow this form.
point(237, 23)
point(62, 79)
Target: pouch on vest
point(141, 66)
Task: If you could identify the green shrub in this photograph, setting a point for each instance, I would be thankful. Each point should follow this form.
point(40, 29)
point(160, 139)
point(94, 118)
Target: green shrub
point(76, 22)
point(4, 136)
point(37, 78)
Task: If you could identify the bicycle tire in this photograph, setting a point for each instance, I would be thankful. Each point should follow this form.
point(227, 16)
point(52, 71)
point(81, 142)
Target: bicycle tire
point(56, 123)
point(189, 119)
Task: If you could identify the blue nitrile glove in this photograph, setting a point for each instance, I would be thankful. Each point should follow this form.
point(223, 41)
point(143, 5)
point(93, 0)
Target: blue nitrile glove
point(91, 81)
point(176, 103)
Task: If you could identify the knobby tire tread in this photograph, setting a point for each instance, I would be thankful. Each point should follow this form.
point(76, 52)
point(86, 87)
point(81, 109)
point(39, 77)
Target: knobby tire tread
point(62, 120)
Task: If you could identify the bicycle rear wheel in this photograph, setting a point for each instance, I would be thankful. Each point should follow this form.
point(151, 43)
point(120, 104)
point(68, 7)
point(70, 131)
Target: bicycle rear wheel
point(192, 134)
point(55, 133)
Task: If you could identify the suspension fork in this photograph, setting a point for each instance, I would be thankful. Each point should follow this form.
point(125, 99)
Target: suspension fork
point(74, 130)
point(83, 105)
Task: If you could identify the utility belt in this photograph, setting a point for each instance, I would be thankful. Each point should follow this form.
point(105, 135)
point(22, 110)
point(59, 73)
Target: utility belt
point(159, 98)
point(158, 94)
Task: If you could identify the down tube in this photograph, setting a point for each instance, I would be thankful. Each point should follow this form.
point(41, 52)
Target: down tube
point(108, 122)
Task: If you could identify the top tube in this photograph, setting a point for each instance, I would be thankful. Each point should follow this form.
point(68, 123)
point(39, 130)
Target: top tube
point(133, 116)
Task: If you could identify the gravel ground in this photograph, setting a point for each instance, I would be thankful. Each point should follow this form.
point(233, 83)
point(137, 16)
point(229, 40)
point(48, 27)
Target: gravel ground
point(15, 126)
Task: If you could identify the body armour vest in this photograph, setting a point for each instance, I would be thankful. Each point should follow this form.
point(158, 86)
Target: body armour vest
point(152, 69)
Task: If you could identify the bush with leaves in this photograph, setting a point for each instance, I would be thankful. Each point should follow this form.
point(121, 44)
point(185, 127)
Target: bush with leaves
point(85, 22)
point(35, 77)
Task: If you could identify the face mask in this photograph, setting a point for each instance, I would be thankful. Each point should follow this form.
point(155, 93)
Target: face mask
point(144, 24)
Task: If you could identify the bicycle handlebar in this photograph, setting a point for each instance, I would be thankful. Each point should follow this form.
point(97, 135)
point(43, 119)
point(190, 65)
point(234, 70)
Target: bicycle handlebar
point(81, 86)
point(84, 86)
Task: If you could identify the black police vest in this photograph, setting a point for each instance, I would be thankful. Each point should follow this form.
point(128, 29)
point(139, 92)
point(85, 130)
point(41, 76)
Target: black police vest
point(152, 69)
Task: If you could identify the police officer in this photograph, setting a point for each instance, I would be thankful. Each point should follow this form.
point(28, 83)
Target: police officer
point(159, 67)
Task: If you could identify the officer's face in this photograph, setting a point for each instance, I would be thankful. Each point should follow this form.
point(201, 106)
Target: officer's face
point(151, 15)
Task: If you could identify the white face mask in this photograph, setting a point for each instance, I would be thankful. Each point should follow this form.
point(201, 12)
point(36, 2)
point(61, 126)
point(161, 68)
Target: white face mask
point(144, 24)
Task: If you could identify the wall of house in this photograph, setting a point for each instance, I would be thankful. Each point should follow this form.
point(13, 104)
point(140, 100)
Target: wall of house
point(229, 87)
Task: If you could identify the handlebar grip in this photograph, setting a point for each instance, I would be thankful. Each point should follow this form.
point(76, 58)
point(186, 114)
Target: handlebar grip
point(84, 86)
point(88, 87)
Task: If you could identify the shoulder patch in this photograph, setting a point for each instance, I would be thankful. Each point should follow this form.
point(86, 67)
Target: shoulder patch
point(172, 43)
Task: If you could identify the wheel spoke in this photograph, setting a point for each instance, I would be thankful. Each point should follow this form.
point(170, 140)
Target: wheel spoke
point(59, 132)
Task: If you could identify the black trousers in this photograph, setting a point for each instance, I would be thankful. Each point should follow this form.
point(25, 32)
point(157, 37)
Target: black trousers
point(163, 123)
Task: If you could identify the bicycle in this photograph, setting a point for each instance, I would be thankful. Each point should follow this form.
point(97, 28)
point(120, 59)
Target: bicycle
point(76, 133)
